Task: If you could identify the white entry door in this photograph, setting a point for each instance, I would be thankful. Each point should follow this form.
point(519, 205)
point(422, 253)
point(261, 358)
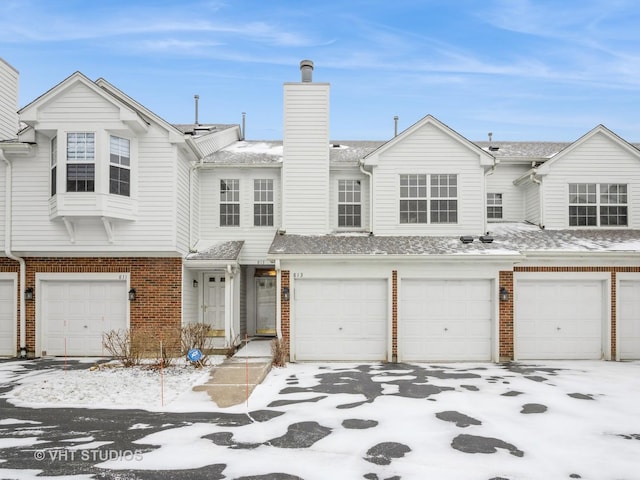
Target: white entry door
point(558, 319)
point(7, 318)
point(628, 320)
point(340, 319)
point(214, 296)
point(75, 314)
point(445, 320)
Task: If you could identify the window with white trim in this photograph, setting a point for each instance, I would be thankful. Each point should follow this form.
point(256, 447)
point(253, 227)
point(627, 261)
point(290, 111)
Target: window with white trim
point(81, 167)
point(263, 202)
point(119, 166)
point(444, 199)
point(428, 198)
point(54, 165)
point(230, 203)
point(413, 198)
point(349, 203)
point(598, 204)
point(494, 206)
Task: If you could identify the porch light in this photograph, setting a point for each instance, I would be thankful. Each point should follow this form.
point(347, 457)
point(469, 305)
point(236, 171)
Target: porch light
point(28, 294)
point(23, 352)
point(285, 294)
point(195, 284)
point(504, 294)
point(132, 294)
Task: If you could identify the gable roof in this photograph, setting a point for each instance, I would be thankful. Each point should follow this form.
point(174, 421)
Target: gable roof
point(545, 168)
point(486, 158)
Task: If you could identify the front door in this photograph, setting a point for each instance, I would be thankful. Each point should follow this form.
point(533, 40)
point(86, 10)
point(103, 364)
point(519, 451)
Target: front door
point(214, 304)
point(265, 305)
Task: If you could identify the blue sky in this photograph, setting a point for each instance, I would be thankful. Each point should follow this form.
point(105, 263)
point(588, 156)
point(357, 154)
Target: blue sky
point(522, 69)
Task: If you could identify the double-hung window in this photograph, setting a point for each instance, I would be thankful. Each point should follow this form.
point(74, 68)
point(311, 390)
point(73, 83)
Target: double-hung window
point(428, 198)
point(81, 167)
point(597, 204)
point(444, 199)
point(119, 166)
point(413, 198)
point(494, 206)
point(230, 203)
point(349, 203)
point(263, 202)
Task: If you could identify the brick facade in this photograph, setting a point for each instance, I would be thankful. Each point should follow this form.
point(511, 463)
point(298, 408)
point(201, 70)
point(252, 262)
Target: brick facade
point(394, 315)
point(285, 319)
point(158, 284)
point(505, 329)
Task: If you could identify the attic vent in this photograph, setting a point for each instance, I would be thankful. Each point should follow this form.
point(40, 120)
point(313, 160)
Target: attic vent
point(493, 148)
point(466, 239)
point(486, 239)
point(335, 145)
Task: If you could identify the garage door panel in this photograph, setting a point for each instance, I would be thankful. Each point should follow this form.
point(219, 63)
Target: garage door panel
point(75, 314)
point(445, 320)
point(629, 320)
point(8, 318)
point(558, 319)
point(340, 319)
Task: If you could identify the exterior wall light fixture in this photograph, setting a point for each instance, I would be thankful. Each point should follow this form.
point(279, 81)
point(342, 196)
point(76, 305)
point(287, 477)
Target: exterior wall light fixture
point(132, 294)
point(285, 294)
point(504, 294)
point(195, 284)
point(28, 294)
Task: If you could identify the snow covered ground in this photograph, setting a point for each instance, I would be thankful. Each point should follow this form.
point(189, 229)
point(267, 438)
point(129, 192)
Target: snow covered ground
point(543, 420)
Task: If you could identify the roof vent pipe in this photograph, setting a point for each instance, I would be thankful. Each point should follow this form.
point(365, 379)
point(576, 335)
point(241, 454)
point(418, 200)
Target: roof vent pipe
point(196, 98)
point(244, 117)
point(306, 69)
point(395, 125)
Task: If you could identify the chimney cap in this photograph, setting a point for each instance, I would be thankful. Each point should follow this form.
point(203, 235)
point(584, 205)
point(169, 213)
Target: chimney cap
point(306, 69)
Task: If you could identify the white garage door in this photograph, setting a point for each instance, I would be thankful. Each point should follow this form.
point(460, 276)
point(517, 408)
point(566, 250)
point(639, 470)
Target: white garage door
point(7, 318)
point(445, 320)
point(558, 319)
point(76, 313)
point(629, 320)
point(340, 319)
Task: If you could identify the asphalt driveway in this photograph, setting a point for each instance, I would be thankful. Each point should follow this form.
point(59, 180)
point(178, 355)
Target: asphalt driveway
point(545, 420)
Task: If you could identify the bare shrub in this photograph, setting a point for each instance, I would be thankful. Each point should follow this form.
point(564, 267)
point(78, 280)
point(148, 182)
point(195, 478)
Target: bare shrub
point(194, 335)
point(124, 347)
point(278, 352)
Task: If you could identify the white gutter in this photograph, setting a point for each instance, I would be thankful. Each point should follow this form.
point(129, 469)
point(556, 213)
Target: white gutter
point(7, 249)
point(538, 182)
point(370, 175)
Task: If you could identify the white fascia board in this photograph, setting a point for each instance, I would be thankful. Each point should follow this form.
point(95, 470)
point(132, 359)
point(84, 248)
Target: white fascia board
point(498, 258)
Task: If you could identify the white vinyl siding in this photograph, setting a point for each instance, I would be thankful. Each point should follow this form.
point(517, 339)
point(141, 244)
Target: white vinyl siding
point(334, 196)
point(591, 162)
point(432, 151)
point(513, 198)
point(532, 203)
point(305, 170)
point(8, 101)
point(257, 239)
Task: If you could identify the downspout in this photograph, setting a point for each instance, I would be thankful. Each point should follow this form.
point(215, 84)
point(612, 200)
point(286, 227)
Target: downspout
point(278, 300)
point(370, 175)
point(538, 182)
point(489, 172)
point(7, 250)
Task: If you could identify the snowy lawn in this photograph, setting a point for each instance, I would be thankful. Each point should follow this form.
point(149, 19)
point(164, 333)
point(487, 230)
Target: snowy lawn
point(540, 420)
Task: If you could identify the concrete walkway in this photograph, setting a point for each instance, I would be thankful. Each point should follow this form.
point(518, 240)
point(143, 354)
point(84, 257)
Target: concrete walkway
point(231, 382)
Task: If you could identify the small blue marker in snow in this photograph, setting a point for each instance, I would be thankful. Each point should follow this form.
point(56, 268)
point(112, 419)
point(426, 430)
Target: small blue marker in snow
point(194, 355)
